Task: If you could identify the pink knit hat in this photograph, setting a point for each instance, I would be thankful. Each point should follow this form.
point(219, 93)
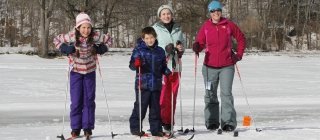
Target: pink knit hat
point(82, 18)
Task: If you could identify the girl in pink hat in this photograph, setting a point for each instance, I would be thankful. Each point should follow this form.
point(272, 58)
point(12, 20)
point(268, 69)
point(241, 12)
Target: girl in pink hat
point(82, 45)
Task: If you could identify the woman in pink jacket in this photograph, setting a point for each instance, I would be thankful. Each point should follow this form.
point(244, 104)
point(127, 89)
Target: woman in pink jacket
point(215, 37)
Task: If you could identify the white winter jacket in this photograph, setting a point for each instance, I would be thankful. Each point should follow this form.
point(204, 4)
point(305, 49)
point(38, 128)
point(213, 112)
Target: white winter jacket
point(165, 37)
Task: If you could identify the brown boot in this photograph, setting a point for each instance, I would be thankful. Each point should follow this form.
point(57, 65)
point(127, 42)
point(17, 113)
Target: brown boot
point(75, 133)
point(87, 132)
point(137, 133)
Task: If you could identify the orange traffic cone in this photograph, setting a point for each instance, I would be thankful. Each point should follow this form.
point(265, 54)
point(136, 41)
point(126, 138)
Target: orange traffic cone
point(246, 120)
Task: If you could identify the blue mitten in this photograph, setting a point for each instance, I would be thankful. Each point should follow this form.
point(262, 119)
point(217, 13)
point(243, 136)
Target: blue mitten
point(100, 48)
point(67, 49)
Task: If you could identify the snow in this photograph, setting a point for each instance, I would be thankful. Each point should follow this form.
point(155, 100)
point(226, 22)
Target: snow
point(20, 49)
point(282, 90)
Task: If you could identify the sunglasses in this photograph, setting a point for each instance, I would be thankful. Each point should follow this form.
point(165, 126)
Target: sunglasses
point(214, 10)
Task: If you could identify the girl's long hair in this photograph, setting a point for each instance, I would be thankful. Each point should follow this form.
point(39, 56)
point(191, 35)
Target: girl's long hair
point(90, 37)
point(90, 40)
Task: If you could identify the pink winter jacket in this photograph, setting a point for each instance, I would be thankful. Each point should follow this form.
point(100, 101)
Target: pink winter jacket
point(216, 39)
point(86, 62)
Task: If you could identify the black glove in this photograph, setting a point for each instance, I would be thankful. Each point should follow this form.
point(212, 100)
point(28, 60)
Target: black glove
point(235, 57)
point(100, 48)
point(178, 42)
point(196, 48)
point(179, 53)
point(67, 49)
point(170, 48)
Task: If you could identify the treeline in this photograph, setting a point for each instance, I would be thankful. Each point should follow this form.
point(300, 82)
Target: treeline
point(269, 25)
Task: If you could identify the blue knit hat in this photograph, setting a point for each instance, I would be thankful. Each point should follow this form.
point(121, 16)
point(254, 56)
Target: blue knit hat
point(214, 5)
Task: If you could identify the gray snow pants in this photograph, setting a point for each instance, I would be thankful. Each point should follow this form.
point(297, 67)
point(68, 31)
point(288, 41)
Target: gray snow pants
point(212, 77)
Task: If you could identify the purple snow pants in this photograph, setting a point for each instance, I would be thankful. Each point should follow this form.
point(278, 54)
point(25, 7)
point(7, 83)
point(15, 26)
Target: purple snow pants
point(82, 94)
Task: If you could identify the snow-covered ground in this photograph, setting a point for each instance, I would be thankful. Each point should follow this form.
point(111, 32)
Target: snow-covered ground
point(283, 92)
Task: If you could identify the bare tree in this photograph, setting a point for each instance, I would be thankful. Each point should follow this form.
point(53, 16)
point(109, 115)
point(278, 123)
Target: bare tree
point(267, 24)
point(45, 14)
point(3, 18)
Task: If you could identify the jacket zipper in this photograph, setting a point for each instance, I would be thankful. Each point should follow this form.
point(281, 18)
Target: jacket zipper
point(152, 68)
point(218, 57)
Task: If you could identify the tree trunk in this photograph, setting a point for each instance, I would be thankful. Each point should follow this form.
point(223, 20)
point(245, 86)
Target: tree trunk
point(297, 24)
point(43, 49)
point(31, 22)
point(45, 15)
point(21, 21)
point(118, 35)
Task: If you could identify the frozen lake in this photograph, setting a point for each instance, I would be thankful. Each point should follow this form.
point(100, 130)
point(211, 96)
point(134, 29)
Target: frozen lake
point(283, 92)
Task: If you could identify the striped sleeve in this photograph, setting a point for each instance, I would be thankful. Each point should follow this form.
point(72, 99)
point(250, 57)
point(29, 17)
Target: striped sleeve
point(100, 37)
point(107, 40)
point(64, 38)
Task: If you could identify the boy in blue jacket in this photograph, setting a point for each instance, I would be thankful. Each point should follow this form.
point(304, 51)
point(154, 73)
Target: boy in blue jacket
point(151, 60)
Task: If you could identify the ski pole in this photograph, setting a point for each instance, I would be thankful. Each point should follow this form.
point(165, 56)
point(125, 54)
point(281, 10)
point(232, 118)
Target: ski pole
point(195, 89)
point(139, 88)
point(194, 93)
point(245, 95)
point(181, 130)
point(171, 131)
point(105, 96)
point(65, 101)
point(180, 96)
point(173, 68)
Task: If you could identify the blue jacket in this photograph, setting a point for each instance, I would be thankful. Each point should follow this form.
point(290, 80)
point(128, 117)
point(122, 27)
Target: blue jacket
point(153, 65)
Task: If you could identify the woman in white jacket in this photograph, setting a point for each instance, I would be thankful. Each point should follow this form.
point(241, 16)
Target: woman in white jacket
point(171, 39)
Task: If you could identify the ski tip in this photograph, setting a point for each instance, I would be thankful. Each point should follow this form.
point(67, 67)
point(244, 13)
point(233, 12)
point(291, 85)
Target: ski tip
point(184, 132)
point(171, 135)
point(191, 137)
point(72, 138)
point(145, 135)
